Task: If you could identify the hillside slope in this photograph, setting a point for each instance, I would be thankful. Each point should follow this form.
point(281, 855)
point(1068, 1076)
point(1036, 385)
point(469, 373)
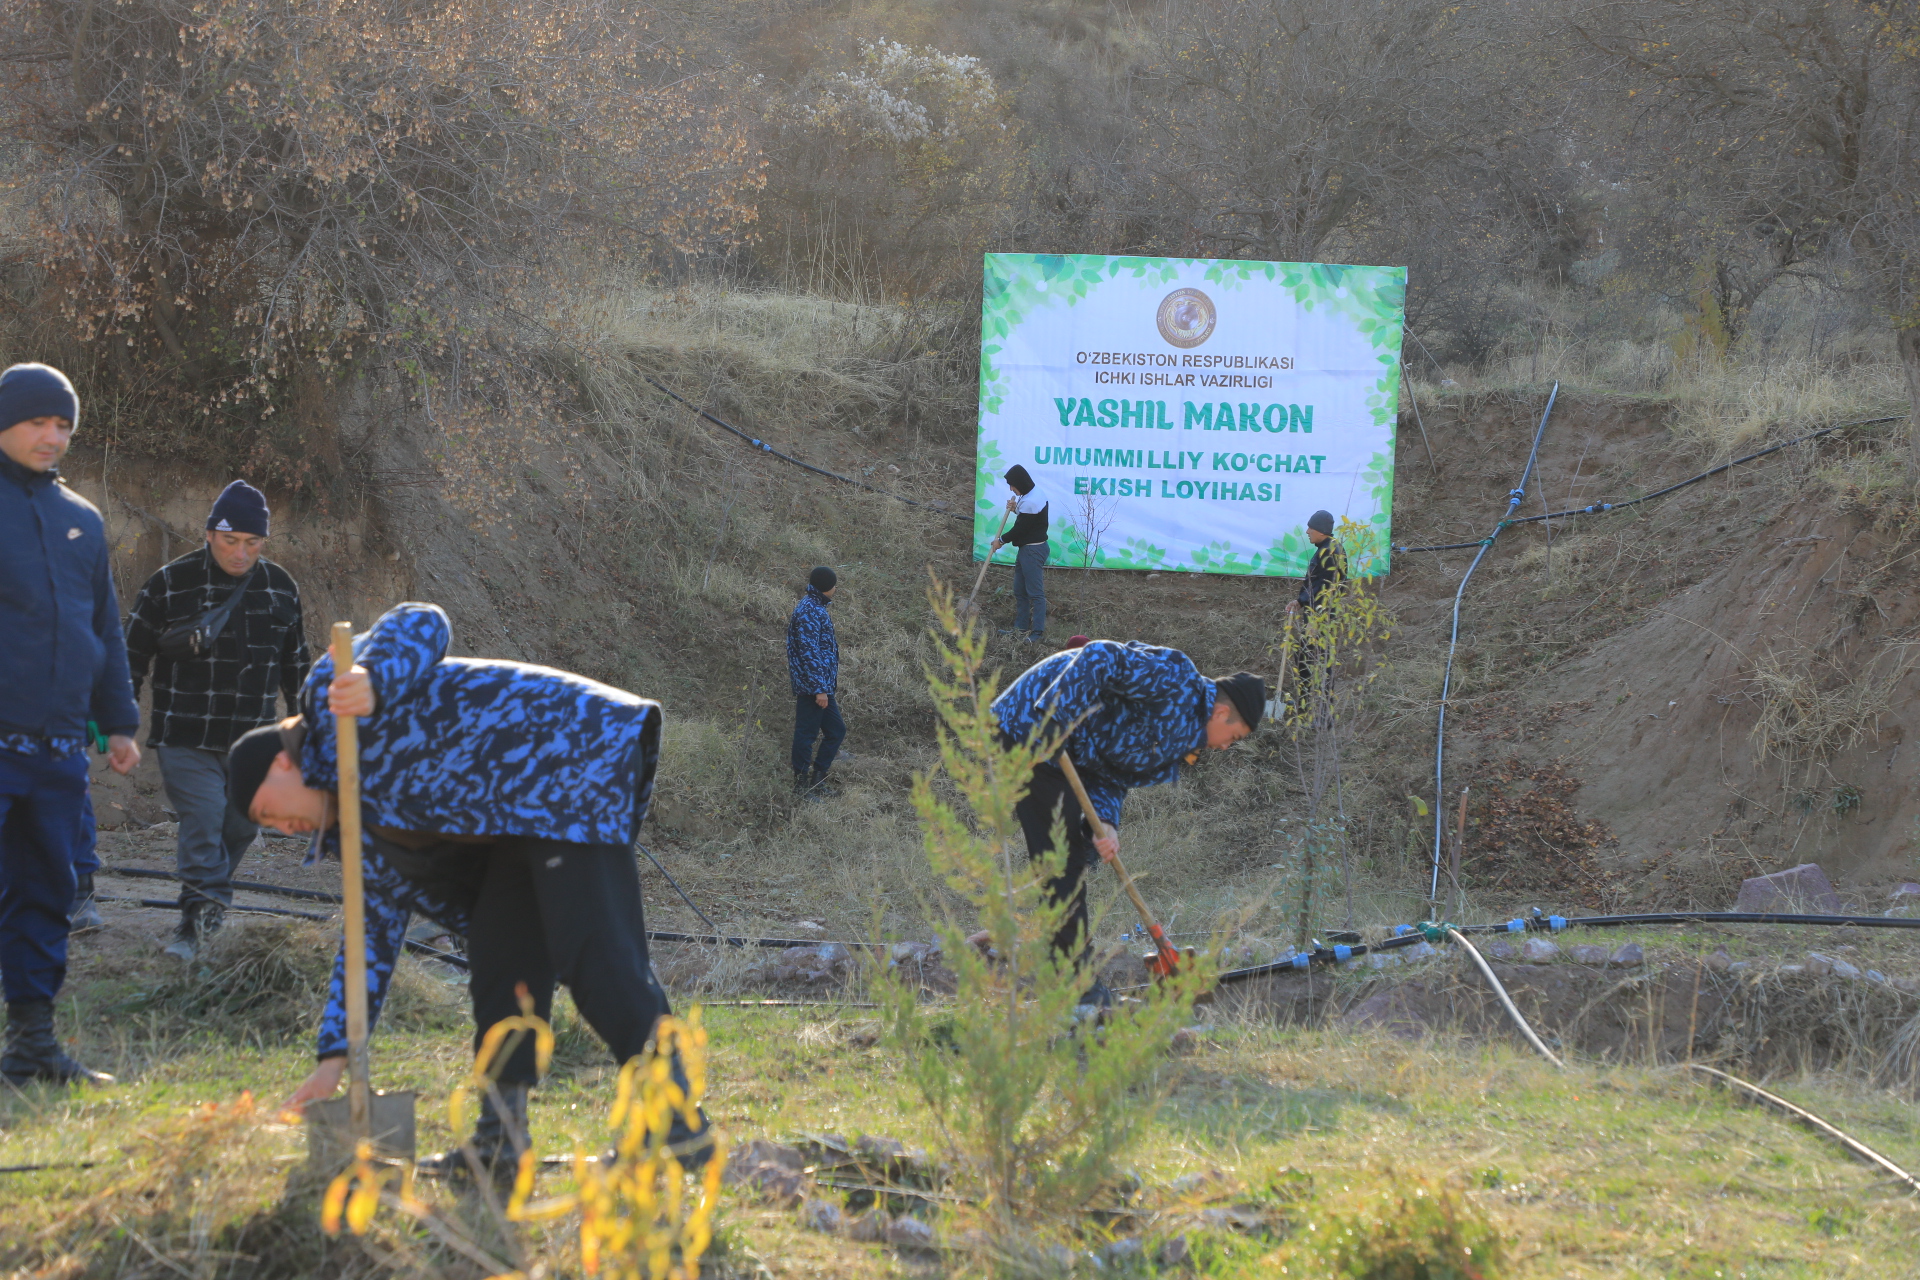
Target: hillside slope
point(645, 547)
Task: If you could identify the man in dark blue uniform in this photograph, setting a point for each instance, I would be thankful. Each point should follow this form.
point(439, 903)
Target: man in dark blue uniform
point(1135, 712)
point(63, 663)
point(501, 801)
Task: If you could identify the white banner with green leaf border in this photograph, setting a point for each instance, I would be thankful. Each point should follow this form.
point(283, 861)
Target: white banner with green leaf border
point(1187, 414)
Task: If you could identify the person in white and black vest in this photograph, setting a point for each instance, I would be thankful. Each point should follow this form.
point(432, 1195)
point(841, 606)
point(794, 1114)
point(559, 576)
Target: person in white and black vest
point(1029, 533)
point(221, 629)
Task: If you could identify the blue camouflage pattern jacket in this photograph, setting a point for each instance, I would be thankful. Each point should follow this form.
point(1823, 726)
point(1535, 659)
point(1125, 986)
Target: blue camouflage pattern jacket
point(484, 747)
point(468, 746)
point(392, 902)
point(813, 653)
point(1149, 704)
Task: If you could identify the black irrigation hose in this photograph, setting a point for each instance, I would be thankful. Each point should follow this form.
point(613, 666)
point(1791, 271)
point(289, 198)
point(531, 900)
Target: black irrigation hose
point(310, 895)
point(164, 904)
point(677, 889)
point(1413, 935)
point(712, 939)
point(1514, 497)
point(764, 447)
point(1600, 507)
point(418, 948)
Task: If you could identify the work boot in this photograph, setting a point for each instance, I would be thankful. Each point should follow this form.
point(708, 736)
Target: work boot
point(85, 915)
point(1096, 1005)
point(691, 1146)
point(32, 1053)
point(499, 1136)
point(199, 921)
point(821, 788)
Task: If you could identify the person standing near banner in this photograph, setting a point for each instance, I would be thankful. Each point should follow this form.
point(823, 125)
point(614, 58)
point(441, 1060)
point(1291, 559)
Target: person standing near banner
point(1029, 533)
point(1325, 567)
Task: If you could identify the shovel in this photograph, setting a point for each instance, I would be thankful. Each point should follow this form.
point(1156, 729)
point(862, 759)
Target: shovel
point(337, 1126)
point(1164, 960)
point(968, 610)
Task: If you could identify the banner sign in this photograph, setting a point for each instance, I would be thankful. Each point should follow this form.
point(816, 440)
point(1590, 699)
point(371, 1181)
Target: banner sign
point(1186, 414)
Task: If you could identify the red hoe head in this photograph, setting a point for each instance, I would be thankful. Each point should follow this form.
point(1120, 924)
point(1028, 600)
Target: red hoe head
point(1163, 961)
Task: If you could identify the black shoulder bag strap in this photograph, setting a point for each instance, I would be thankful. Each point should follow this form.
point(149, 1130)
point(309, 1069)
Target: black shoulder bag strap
point(194, 639)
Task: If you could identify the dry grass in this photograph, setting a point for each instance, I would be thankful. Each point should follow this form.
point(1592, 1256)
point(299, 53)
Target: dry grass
point(259, 980)
point(1813, 706)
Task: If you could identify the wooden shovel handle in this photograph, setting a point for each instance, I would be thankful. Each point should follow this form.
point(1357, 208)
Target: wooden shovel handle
point(986, 563)
point(353, 899)
point(1166, 957)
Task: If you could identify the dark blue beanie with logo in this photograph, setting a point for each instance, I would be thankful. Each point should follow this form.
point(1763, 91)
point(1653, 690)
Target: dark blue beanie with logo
point(36, 391)
point(240, 508)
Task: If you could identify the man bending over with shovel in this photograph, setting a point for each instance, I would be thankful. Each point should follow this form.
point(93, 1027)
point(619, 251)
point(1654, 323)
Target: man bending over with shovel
point(1127, 715)
point(501, 801)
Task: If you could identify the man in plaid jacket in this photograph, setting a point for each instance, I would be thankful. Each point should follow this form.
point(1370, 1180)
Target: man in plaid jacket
point(813, 666)
point(203, 703)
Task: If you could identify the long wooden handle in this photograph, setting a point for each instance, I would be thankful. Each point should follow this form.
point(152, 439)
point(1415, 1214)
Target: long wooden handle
point(1168, 957)
point(354, 900)
point(988, 561)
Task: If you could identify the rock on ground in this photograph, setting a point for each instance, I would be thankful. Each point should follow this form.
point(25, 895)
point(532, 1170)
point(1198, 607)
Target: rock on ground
point(822, 1215)
point(1539, 951)
point(1628, 957)
point(1801, 889)
point(772, 1171)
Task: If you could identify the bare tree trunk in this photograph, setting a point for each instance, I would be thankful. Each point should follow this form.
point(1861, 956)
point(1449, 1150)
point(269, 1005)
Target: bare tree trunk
point(1907, 342)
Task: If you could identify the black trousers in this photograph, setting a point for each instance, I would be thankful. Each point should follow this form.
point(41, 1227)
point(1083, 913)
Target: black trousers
point(1049, 796)
point(550, 912)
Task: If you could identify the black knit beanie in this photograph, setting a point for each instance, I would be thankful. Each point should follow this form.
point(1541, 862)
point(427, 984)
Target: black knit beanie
point(1248, 694)
point(252, 755)
point(240, 508)
point(36, 391)
point(1321, 522)
point(822, 579)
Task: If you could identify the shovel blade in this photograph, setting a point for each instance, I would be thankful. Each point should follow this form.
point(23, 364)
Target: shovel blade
point(330, 1132)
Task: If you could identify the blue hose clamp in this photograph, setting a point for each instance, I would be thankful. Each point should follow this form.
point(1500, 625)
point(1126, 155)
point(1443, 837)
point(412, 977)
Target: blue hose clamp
point(1342, 954)
point(1516, 925)
point(1557, 923)
point(1301, 960)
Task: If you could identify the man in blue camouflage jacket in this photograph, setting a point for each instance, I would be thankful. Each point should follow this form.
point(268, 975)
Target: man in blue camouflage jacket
point(813, 667)
point(501, 801)
point(1128, 714)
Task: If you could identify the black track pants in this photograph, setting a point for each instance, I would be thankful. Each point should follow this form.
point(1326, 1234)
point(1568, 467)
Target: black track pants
point(1043, 801)
point(551, 912)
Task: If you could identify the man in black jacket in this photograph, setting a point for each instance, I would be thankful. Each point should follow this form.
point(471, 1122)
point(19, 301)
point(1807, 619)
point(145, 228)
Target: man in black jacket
point(1029, 533)
point(203, 702)
point(1324, 568)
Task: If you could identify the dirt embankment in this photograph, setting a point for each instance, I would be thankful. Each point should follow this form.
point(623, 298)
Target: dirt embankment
point(1659, 701)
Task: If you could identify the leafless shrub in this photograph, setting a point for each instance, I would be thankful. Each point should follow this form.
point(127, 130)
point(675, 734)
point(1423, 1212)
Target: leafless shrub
point(228, 196)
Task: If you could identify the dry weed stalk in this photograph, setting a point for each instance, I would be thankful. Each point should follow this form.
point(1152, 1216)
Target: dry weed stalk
point(636, 1218)
point(1812, 707)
